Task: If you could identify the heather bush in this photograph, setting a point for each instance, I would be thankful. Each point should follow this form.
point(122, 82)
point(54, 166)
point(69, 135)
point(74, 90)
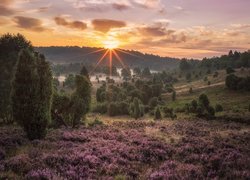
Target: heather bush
point(230, 70)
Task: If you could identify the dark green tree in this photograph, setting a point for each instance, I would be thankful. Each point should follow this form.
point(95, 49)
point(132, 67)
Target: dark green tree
point(32, 93)
point(136, 109)
point(10, 46)
point(80, 99)
point(146, 72)
point(173, 96)
point(84, 72)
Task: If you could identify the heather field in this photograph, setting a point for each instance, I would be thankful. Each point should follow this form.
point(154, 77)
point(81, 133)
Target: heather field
point(129, 149)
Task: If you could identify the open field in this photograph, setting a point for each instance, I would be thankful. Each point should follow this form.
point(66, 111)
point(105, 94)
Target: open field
point(129, 149)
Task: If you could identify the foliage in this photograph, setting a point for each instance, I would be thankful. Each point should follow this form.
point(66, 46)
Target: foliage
point(10, 47)
point(32, 93)
point(218, 108)
point(80, 99)
point(118, 108)
point(100, 108)
point(230, 70)
point(168, 112)
point(84, 72)
point(146, 72)
point(234, 82)
point(69, 81)
point(157, 114)
point(136, 109)
point(126, 73)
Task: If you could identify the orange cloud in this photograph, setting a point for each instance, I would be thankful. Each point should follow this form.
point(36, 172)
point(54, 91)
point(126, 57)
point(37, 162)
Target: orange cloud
point(70, 24)
point(104, 25)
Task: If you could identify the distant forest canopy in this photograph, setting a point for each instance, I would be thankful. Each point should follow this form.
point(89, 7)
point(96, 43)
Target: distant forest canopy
point(232, 59)
point(84, 55)
point(71, 59)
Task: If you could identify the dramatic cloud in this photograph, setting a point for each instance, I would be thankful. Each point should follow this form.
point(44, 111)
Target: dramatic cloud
point(3, 21)
point(104, 25)
point(29, 23)
point(70, 24)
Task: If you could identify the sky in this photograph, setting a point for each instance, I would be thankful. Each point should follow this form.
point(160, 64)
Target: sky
point(174, 28)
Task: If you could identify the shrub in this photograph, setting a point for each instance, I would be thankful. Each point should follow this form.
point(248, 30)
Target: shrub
point(100, 108)
point(215, 74)
point(95, 122)
point(32, 94)
point(153, 102)
point(230, 70)
point(232, 81)
point(205, 79)
point(203, 100)
point(208, 83)
point(118, 108)
point(218, 108)
point(157, 113)
point(168, 112)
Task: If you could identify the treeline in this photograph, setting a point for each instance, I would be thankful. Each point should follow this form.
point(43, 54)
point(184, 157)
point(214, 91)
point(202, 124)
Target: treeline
point(74, 54)
point(232, 59)
point(27, 90)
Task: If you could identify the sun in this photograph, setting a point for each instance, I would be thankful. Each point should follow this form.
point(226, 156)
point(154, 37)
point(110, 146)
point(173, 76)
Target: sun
point(111, 43)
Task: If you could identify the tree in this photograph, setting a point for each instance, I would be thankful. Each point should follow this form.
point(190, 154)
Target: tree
point(69, 81)
point(146, 72)
point(203, 100)
point(218, 108)
point(84, 72)
point(32, 93)
point(126, 74)
point(80, 99)
point(157, 113)
point(10, 46)
point(136, 109)
point(232, 81)
point(137, 71)
point(184, 65)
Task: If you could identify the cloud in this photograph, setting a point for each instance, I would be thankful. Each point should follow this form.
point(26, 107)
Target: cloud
point(6, 2)
point(70, 24)
point(3, 21)
point(147, 4)
point(120, 6)
point(29, 23)
point(6, 11)
point(159, 28)
point(104, 25)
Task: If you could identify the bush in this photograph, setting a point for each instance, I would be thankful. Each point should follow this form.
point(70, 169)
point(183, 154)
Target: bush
point(95, 122)
point(208, 83)
point(118, 108)
point(157, 113)
point(230, 70)
point(168, 112)
point(203, 100)
point(215, 74)
point(153, 102)
point(218, 108)
point(100, 108)
point(237, 83)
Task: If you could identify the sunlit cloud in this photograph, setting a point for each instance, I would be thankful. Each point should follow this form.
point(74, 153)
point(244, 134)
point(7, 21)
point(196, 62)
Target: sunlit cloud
point(70, 24)
point(104, 25)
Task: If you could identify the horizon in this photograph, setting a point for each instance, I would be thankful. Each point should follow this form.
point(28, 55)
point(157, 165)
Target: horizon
point(165, 28)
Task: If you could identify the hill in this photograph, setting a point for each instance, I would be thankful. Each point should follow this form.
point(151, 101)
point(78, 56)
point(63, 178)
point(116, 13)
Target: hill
point(74, 54)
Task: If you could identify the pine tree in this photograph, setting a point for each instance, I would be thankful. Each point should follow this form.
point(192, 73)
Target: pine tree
point(84, 72)
point(32, 93)
point(80, 99)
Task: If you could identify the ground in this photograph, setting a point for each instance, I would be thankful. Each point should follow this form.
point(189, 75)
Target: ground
point(130, 149)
